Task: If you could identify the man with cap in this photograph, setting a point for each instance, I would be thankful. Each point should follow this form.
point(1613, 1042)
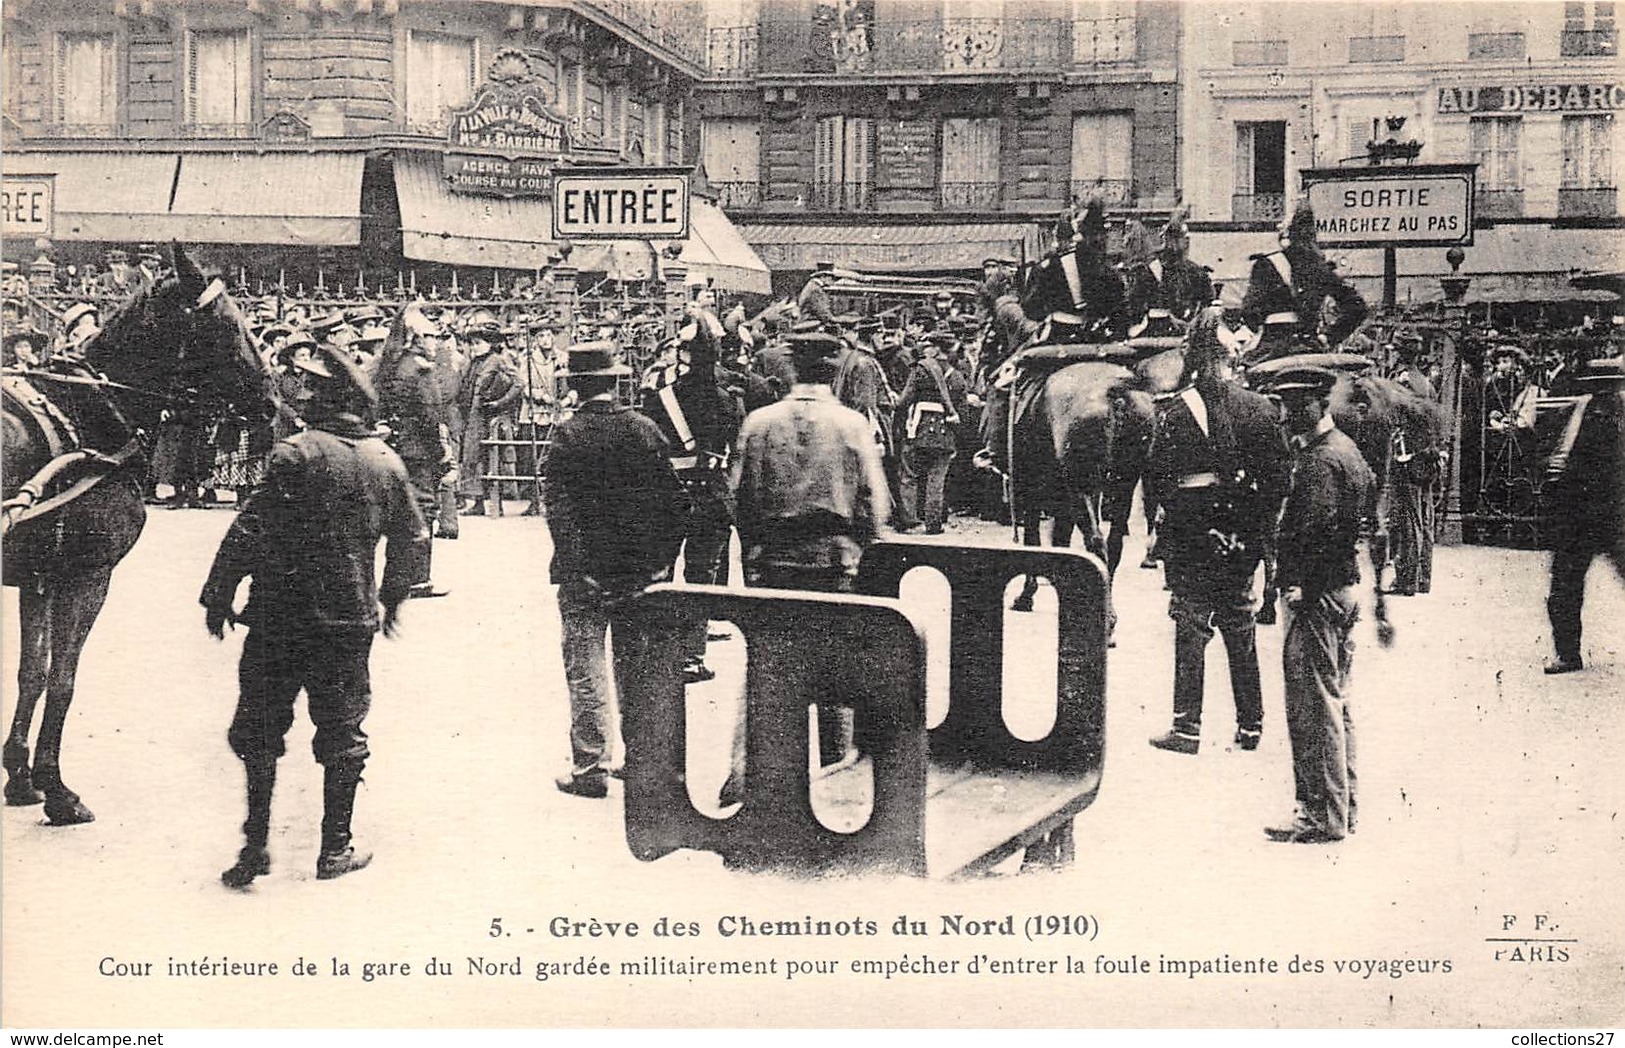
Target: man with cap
point(1584, 501)
point(308, 539)
point(813, 301)
point(1414, 475)
point(928, 419)
point(149, 268)
point(860, 384)
point(810, 493)
point(1287, 290)
point(1333, 492)
point(413, 404)
point(615, 514)
point(1220, 467)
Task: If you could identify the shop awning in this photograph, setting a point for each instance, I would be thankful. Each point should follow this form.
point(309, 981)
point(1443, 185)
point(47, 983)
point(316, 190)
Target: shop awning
point(949, 246)
point(276, 198)
point(103, 196)
point(218, 198)
point(461, 229)
point(718, 252)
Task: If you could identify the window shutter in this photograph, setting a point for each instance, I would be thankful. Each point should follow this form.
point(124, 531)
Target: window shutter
point(1244, 159)
point(191, 78)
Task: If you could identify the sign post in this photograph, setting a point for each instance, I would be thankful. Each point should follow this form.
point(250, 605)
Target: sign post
point(1416, 205)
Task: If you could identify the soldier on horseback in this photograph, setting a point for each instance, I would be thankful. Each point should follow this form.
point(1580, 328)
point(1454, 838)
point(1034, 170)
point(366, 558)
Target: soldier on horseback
point(1177, 288)
point(1287, 290)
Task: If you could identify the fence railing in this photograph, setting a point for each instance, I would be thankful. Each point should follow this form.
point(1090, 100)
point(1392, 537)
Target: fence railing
point(970, 196)
point(1113, 192)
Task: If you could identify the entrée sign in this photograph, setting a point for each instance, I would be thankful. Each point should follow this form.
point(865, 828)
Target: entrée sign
point(1419, 206)
point(621, 205)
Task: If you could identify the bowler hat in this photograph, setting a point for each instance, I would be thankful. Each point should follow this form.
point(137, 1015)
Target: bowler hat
point(1317, 381)
point(594, 358)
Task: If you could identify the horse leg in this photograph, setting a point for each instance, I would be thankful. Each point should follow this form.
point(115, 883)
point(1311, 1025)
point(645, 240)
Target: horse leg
point(34, 613)
point(75, 606)
point(1096, 544)
point(1031, 535)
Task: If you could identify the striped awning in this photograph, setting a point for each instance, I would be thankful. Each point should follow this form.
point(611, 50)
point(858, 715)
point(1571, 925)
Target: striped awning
point(218, 198)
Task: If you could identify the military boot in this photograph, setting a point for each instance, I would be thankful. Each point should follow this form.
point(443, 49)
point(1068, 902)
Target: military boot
point(255, 858)
point(338, 856)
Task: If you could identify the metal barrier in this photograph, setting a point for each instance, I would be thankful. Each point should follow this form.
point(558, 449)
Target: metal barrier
point(985, 793)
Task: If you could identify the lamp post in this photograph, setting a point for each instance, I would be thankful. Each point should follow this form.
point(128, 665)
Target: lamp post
point(1455, 290)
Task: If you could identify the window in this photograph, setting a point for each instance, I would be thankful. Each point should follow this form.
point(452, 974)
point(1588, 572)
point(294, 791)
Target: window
point(1260, 171)
point(1259, 53)
point(440, 75)
point(86, 97)
point(219, 80)
point(1376, 49)
point(1103, 32)
point(1102, 156)
point(1493, 143)
point(732, 151)
point(592, 109)
point(970, 163)
point(1589, 30)
point(1485, 47)
point(1588, 152)
point(674, 132)
point(843, 163)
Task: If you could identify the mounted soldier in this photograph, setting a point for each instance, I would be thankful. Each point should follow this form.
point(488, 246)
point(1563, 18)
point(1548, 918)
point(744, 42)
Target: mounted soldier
point(1179, 288)
point(1287, 291)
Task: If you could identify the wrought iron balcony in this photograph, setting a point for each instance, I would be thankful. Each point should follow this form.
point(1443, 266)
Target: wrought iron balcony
point(62, 130)
point(218, 131)
point(1257, 207)
point(842, 196)
point(1498, 203)
point(1588, 202)
point(679, 28)
point(1112, 192)
point(946, 45)
point(970, 196)
point(733, 50)
point(1590, 43)
point(1105, 41)
point(734, 196)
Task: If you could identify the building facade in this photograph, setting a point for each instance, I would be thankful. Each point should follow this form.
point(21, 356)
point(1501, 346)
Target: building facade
point(929, 134)
point(354, 139)
point(1530, 92)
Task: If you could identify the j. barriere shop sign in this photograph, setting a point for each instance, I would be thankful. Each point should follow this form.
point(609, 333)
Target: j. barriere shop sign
point(1531, 98)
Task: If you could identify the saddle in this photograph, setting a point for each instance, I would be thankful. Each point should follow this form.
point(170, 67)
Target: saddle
point(65, 457)
point(44, 421)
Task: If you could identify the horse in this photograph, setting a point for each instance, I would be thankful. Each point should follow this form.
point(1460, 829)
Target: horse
point(75, 446)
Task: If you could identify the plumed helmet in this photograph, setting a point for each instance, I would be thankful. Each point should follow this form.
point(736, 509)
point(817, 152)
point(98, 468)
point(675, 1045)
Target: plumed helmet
point(1300, 228)
point(1137, 247)
point(1174, 235)
point(1210, 342)
point(1092, 223)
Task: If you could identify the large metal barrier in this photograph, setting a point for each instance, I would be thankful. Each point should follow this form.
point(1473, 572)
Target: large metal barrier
point(953, 801)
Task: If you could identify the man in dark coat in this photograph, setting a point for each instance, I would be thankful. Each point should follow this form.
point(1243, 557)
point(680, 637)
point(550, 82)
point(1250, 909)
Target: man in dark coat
point(1333, 493)
point(1182, 289)
point(615, 512)
point(1584, 499)
point(1219, 465)
point(308, 538)
point(413, 404)
point(1287, 290)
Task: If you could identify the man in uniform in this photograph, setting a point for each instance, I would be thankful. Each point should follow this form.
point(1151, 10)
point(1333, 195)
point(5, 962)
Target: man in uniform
point(412, 401)
point(1414, 475)
point(1333, 492)
point(309, 538)
point(615, 514)
point(1183, 288)
point(810, 494)
point(1585, 502)
point(1220, 467)
point(1287, 290)
point(860, 384)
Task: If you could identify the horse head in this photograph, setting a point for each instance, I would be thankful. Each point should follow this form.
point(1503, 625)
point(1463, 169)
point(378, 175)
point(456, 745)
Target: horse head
point(184, 338)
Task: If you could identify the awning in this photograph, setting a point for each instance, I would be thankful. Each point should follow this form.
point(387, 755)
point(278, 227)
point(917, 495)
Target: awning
point(275, 198)
point(461, 229)
point(947, 246)
point(219, 198)
point(716, 251)
point(103, 196)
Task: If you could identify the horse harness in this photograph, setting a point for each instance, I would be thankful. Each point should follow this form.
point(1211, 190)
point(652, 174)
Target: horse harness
point(61, 438)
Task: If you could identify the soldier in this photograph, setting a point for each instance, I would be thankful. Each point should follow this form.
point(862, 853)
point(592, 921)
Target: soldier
point(1220, 467)
point(860, 384)
point(1287, 290)
point(309, 541)
point(1414, 476)
point(614, 511)
point(1584, 499)
point(1183, 288)
point(413, 405)
point(1333, 492)
point(928, 413)
point(810, 494)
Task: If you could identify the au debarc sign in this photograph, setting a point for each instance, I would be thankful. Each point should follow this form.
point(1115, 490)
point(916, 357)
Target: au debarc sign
point(1422, 205)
